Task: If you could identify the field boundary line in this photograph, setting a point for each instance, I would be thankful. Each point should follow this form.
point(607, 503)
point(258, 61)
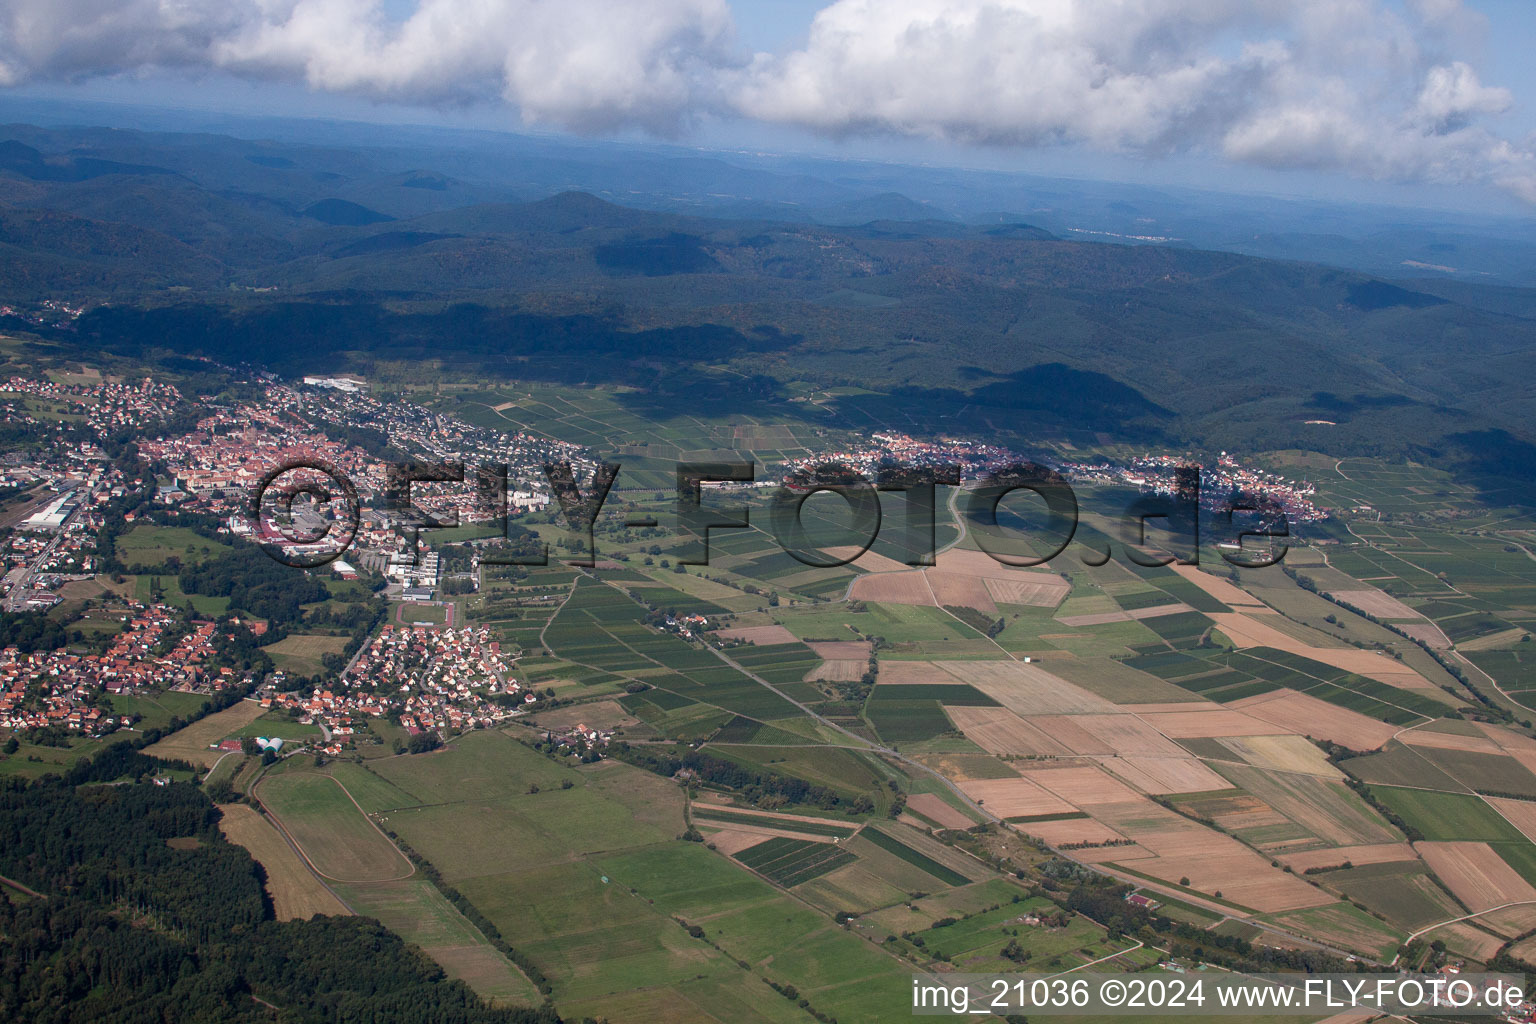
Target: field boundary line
point(277, 826)
point(277, 820)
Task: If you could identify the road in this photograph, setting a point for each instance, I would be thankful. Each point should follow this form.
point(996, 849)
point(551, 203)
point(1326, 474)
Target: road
point(20, 578)
point(859, 743)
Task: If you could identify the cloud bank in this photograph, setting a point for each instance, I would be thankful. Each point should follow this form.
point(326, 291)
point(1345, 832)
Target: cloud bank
point(1371, 88)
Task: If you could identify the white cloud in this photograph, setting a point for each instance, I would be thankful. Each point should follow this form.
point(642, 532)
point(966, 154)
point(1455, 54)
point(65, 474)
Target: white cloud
point(1357, 86)
point(587, 64)
point(1381, 89)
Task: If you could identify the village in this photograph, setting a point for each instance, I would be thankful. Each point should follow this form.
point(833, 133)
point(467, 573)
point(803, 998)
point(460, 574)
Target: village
point(1155, 474)
point(69, 691)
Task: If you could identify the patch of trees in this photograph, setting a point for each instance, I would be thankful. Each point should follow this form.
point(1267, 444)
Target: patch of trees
point(422, 742)
point(977, 620)
point(754, 783)
point(30, 631)
point(255, 582)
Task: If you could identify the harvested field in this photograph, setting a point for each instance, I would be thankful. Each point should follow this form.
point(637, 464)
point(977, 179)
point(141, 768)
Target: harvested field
point(1238, 811)
point(731, 841)
point(1377, 603)
point(1173, 707)
point(892, 588)
point(763, 635)
point(1042, 593)
point(913, 672)
point(951, 588)
point(842, 650)
point(193, 742)
point(970, 562)
point(1450, 741)
point(1128, 736)
point(933, 807)
point(1074, 830)
point(1240, 875)
point(1101, 618)
point(1519, 813)
point(297, 894)
point(1163, 775)
point(1510, 921)
point(960, 577)
point(1000, 731)
point(603, 714)
point(1027, 689)
point(1065, 731)
point(1525, 950)
point(838, 671)
point(1086, 786)
point(1221, 589)
point(1327, 809)
point(1305, 715)
point(1359, 856)
point(1209, 721)
point(1015, 798)
point(1476, 874)
point(1210, 860)
point(1426, 632)
point(1246, 631)
point(1464, 939)
point(1287, 753)
point(959, 767)
point(869, 561)
point(1521, 748)
point(1115, 854)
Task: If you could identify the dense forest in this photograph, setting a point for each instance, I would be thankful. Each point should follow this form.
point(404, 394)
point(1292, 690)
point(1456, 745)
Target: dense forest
point(149, 914)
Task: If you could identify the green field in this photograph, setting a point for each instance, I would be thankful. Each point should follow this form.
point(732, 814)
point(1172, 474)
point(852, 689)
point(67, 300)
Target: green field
point(1447, 816)
point(154, 546)
point(413, 909)
point(587, 880)
point(301, 653)
point(918, 860)
point(1344, 925)
point(332, 832)
point(788, 862)
point(427, 614)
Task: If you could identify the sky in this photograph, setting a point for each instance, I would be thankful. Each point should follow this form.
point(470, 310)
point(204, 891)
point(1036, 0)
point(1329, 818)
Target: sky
point(1433, 99)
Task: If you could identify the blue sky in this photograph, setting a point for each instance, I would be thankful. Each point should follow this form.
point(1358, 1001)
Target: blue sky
point(1399, 100)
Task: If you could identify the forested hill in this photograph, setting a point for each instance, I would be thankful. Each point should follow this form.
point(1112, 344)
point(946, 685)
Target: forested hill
point(308, 260)
point(131, 929)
